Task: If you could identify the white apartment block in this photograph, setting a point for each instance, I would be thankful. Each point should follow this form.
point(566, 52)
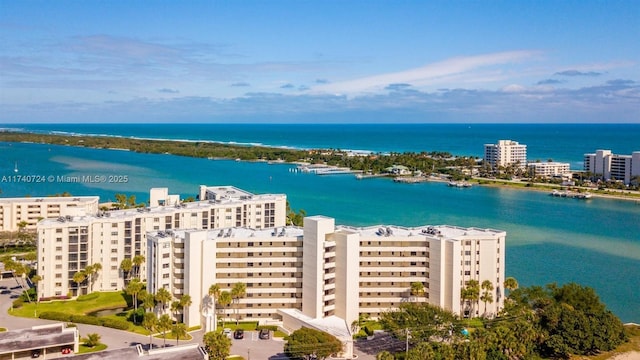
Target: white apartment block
point(324, 271)
point(613, 167)
point(549, 169)
point(504, 153)
point(69, 244)
point(33, 209)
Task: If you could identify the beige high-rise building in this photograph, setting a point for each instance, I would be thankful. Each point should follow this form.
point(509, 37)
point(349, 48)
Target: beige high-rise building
point(504, 153)
point(13, 211)
point(323, 271)
point(69, 244)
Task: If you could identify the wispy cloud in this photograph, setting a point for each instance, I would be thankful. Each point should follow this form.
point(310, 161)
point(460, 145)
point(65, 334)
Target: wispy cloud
point(168, 91)
point(429, 74)
point(578, 73)
point(549, 82)
point(240, 84)
point(287, 86)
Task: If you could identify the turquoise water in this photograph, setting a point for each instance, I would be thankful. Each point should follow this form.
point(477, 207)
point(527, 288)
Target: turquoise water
point(594, 242)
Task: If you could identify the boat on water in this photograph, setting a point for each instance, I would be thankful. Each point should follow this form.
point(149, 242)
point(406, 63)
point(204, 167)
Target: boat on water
point(15, 169)
point(571, 194)
point(459, 184)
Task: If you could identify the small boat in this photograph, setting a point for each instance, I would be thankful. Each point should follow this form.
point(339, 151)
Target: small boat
point(15, 169)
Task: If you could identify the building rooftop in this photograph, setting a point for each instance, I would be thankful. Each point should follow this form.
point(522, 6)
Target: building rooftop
point(447, 232)
point(37, 337)
point(51, 199)
point(182, 352)
point(331, 324)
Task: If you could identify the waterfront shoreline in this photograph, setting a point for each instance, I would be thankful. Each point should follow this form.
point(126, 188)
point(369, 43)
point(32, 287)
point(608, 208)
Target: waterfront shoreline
point(274, 155)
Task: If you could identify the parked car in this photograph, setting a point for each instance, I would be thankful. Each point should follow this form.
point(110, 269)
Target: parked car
point(5, 292)
point(264, 334)
point(227, 332)
point(35, 353)
point(238, 334)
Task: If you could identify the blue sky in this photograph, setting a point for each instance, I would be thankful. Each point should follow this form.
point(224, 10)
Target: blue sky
point(320, 61)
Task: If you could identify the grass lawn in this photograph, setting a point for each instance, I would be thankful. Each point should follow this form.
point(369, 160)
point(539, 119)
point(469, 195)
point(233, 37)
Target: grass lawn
point(105, 300)
point(85, 349)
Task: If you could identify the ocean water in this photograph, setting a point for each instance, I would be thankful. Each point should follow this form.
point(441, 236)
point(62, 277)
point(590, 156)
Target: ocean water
point(595, 242)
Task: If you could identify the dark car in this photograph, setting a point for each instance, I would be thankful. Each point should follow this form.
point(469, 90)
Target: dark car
point(35, 353)
point(264, 334)
point(238, 334)
point(3, 287)
point(5, 292)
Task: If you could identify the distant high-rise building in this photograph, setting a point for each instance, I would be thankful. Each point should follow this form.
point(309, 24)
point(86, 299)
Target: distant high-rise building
point(504, 153)
point(610, 166)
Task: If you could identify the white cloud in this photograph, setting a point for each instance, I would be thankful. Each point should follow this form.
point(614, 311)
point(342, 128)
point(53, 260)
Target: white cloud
point(430, 74)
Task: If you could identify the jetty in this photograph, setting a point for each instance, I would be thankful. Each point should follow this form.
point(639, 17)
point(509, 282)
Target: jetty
point(570, 194)
point(410, 179)
point(321, 169)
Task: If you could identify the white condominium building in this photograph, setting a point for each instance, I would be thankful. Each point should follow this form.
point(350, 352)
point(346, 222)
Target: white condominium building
point(324, 271)
point(69, 244)
point(613, 167)
point(13, 211)
point(504, 153)
point(547, 169)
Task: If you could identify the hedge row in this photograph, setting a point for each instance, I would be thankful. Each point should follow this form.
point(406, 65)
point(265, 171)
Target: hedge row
point(85, 319)
point(268, 327)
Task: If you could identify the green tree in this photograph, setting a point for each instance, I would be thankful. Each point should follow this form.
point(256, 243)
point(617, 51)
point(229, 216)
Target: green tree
point(224, 300)
point(148, 300)
point(164, 324)
point(138, 260)
point(126, 265)
point(185, 301)
point(238, 292)
point(134, 287)
point(385, 355)
point(309, 343)
point(178, 330)
point(92, 272)
point(78, 278)
point(217, 345)
point(425, 321)
point(92, 340)
point(487, 293)
point(470, 295)
point(510, 283)
point(214, 294)
point(417, 289)
point(150, 323)
point(163, 296)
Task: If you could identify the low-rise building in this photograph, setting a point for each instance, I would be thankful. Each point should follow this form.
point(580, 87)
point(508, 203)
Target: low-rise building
point(13, 211)
point(549, 169)
point(48, 341)
point(609, 166)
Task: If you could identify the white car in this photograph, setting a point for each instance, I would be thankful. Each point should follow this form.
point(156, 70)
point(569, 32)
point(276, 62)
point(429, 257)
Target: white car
point(227, 332)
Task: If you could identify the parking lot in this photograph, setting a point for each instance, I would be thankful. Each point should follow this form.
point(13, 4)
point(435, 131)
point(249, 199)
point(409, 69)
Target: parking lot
point(251, 347)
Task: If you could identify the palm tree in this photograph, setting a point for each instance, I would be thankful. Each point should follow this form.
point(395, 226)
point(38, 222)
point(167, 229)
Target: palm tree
point(164, 324)
point(185, 302)
point(175, 308)
point(510, 284)
point(224, 300)
point(179, 330)
point(150, 322)
point(92, 340)
point(470, 294)
point(163, 296)
point(487, 295)
point(417, 289)
point(126, 266)
point(134, 288)
point(79, 277)
point(238, 292)
point(148, 300)
point(138, 260)
point(92, 273)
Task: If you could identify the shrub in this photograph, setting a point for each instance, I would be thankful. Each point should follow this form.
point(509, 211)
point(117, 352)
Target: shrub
point(88, 297)
point(85, 319)
point(54, 315)
point(115, 324)
point(368, 331)
point(17, 303)
point(268, 327)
